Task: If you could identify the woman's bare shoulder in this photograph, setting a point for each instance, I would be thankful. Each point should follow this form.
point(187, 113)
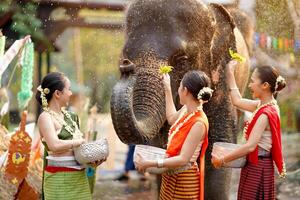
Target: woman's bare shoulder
point(44, 116)
point(199, 124)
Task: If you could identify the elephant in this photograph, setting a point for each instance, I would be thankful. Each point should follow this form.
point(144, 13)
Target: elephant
point(188, 35)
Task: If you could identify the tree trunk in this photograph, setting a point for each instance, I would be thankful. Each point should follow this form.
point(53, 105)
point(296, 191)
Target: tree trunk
point(294, 8)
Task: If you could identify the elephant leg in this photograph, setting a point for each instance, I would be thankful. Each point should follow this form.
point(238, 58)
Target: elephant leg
point(218, 187)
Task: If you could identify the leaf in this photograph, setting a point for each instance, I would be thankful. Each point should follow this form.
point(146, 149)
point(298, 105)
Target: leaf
point(165, 69)
point(236, 56)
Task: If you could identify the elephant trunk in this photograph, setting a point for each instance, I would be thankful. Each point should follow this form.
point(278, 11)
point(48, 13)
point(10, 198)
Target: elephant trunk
point(137, 105)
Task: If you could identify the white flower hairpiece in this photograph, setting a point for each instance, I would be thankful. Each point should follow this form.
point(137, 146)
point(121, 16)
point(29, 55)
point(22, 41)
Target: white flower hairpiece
point(279, 79)
point(43, 96)
point(203, 91)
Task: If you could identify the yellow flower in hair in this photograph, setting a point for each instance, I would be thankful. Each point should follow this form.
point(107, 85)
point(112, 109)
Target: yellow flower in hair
point(165, 69)
point(236, 56)
point(46, 91)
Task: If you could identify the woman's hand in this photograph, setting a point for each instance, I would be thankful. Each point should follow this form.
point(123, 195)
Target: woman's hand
point(166, 82)
point(77, 142)
point(25, 39)
point(141, 164)
point(97, 163)
point(216, 161)
point(230, 67)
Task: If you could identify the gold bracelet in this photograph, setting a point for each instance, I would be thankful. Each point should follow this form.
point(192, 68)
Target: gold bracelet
point(160, 163)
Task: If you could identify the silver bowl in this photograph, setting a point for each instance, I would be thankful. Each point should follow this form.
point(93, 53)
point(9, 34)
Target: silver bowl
point(223, 148)
point(150, 153)
point(92, 151)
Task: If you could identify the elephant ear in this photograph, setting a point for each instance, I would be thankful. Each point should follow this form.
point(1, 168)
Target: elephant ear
point(224, 37)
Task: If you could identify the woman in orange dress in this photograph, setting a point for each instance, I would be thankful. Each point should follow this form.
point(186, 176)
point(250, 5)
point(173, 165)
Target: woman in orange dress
point(187, 139)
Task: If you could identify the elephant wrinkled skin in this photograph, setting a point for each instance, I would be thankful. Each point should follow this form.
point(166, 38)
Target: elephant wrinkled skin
point(185, 34)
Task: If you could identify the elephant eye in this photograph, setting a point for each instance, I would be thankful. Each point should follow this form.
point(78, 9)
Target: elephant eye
point(182, 58)
point(179, 59)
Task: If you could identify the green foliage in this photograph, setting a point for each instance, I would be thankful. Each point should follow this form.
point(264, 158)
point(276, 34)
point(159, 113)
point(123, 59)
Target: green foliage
point(24, 20)
point(273, 18)
point(5, 6)
point(287, 114)
point(288, 108)
point(101, 51)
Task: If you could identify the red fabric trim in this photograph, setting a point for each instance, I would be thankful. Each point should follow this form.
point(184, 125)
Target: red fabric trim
point(202, 164)
point(274, 122)
point(53, 169)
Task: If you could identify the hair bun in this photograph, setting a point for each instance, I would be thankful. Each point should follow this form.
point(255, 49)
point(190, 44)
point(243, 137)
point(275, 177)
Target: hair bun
point(205, 94)
point(280, 83)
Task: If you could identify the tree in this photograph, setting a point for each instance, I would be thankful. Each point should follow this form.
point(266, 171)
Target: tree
point(294, 8)
point(101, 51)
point(24, 19)
point(273, 18)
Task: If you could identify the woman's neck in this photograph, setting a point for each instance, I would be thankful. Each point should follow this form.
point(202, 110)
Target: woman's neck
point(54, 106)
point(193, 106)
point(266, 99)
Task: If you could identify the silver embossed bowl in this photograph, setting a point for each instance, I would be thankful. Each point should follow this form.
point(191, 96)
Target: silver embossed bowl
point(223, 148)
point(150, 153)
point(92, 151)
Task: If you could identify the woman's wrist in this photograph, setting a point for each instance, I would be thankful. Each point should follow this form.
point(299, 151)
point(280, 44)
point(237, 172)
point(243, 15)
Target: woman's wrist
point(168, 91)
point(160, 163)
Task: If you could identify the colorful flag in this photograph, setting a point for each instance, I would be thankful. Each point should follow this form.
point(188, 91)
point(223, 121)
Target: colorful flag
point(269, 42)
point(291, 44)
point(263, 40)
point(256, 38)
point(275, 43)
point(286, 44)
point(280, 44)
point(297, 45)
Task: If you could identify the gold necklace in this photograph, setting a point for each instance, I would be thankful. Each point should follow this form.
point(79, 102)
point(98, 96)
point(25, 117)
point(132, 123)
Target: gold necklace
point(273, 102)
point(75, 132)
point(58, 117)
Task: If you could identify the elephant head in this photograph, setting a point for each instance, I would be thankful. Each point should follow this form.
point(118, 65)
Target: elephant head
point(186, 34)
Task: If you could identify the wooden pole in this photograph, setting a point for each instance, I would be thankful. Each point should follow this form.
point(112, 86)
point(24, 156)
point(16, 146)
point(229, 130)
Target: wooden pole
point(78, 56)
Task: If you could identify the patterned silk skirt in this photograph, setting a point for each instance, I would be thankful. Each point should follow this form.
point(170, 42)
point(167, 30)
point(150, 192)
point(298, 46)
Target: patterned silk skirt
point(184, 185)
point(66, 185)
point(257, 181)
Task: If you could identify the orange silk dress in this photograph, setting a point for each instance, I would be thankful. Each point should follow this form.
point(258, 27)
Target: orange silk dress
point(187, 184)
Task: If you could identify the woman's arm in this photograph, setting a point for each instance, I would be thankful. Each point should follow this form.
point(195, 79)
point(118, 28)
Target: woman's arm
point(190, 144)
point(171, 113)
point(236, 97)
point(11, 53)
point(255, 136)
point(47, 131)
